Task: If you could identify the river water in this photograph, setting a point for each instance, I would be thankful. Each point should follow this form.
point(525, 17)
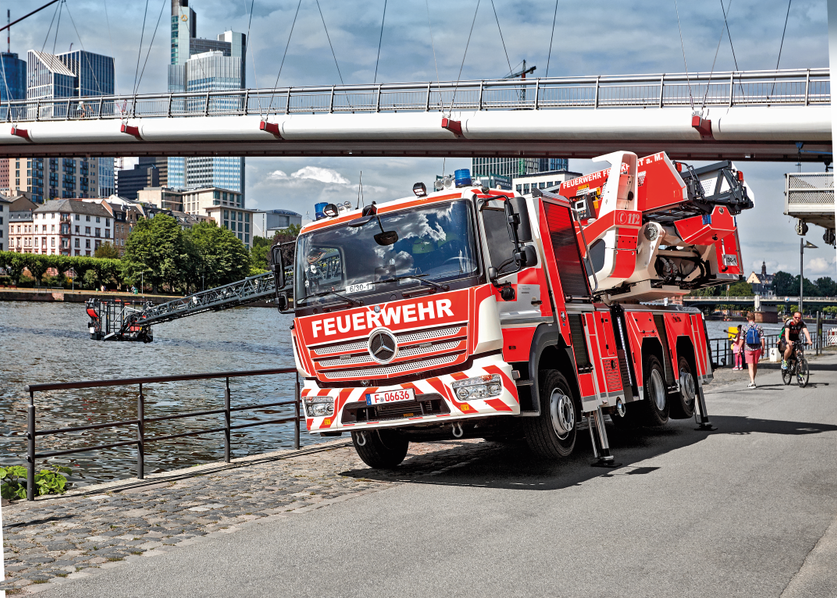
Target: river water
point(48, 342)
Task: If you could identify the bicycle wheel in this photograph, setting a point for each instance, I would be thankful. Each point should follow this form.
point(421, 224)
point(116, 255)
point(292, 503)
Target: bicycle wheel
point(787, 374)
point(802, 373)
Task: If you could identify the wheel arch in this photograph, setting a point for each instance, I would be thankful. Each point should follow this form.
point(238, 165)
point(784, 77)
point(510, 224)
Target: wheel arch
point(550, 351)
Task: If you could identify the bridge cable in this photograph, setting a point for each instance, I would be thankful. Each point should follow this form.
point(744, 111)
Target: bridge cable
point(57, 25)
point(782, 43)
point(683, 48)
point(732, 47)
point(549, 55)
point(110, 39)
point(87, 58)
point(436, 65)
point(433, 47)
point(247, 51)
point(468, 43)
point(139, 50)
point(328, 37)
point(380, 39)
point(150, 45)
point(282, 64)
point(46, 37)
point(496, 18)
point(717, 48)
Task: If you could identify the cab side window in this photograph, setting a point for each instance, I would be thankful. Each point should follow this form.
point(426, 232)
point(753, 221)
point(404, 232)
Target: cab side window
point(500, 246)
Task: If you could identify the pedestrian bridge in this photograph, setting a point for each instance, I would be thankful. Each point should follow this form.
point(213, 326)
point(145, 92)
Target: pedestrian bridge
point(688, 300)
point(760, 115)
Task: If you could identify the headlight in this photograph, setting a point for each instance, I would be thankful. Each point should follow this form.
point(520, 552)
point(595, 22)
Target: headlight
point(319, 406)
point(479, 387)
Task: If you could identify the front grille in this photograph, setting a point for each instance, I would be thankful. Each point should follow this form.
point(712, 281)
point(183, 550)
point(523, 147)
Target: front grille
point(398, 368)
point(412, 351)
point(406, 337)
point(427, 404)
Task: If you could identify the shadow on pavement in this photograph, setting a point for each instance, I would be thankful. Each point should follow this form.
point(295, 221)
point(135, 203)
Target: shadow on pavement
point(512, 465)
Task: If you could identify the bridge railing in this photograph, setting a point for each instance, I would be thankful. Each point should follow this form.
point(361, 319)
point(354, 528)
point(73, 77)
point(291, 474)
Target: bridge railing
point(798, 87)
point(751, 299)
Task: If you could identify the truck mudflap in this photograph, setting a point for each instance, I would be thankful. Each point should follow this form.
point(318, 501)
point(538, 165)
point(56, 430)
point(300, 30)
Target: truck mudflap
point(485, 389)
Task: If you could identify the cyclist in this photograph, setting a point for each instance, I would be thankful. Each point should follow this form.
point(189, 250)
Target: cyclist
point(792, 329)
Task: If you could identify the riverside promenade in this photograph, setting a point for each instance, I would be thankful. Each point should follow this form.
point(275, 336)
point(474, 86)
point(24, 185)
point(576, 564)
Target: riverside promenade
point(747, 510)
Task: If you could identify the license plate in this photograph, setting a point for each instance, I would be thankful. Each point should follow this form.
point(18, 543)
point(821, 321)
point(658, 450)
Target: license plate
point(360, 288)
point(390, 396)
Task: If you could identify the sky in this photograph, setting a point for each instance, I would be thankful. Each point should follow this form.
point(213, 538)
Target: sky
point(426, 41)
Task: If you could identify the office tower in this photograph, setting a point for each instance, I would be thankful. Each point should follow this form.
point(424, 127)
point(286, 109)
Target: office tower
point(201, 65)
point(13, 74)
point(515, 167)
point(68, 75)
point(149, 172)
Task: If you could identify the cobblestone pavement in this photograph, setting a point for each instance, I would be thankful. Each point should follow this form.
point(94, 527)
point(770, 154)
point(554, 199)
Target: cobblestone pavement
point(61, 536)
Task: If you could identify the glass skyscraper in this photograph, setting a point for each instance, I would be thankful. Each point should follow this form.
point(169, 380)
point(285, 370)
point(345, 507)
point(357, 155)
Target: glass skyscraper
point(72, 74)
point(514, 167)
point(13, 72)
point(205, 65)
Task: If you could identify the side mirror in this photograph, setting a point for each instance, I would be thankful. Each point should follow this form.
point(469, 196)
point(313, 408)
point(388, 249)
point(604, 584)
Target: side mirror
point(516, 207)
point(527, 256)
point(492, 274)
point(282, 302)
point(278, 268)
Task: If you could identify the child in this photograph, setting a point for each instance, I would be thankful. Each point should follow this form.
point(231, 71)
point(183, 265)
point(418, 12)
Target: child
point(737, 350)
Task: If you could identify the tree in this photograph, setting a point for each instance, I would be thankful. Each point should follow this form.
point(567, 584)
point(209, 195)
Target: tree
point(741, 289)
point(827, 287)
point(259, 253)
point(219, 255)
point(106, 250)
point(284, 237)
point(783, 284)
point(157, 250)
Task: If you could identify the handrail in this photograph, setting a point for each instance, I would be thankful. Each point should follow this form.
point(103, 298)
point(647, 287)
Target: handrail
point(798, 87)
point(140, 421)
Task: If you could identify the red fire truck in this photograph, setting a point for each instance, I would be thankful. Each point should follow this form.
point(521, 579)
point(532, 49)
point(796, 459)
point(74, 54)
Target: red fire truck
point(472, 312)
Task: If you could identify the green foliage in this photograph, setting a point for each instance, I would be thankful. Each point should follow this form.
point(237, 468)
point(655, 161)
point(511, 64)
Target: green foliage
point(783, 284)
point(106, 270)
point(826, 286)
point(218, 256)
point(106, 250)
point(830, 310)
point(156, 250)
point(741, 289)
point(47, 481)
point(259, 253)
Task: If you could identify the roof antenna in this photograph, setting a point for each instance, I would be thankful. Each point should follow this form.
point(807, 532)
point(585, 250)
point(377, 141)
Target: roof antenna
point(8, 31)
point(360, 202)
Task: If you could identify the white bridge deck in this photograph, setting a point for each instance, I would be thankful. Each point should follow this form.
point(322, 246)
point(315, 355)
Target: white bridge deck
point(759, 115)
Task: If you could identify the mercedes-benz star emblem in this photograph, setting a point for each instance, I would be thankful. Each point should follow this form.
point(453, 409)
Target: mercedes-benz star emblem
point(382, 346)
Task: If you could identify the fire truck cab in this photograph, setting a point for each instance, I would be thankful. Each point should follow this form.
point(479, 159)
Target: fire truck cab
point(472, 312)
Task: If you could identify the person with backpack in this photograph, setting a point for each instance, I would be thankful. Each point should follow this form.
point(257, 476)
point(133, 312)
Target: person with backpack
point(754, 346)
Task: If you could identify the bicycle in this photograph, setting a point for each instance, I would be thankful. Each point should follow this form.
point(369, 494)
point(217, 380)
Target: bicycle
point(797, 366)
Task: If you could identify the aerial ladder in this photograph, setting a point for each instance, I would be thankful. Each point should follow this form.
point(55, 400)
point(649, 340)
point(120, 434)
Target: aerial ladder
point(116, 320)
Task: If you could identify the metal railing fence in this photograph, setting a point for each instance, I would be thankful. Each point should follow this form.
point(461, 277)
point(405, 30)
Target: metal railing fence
point(720, 350)
point(797, 87)
point(141, 420)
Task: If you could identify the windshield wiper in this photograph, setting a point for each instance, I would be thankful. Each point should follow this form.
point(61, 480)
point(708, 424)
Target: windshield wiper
point(324, 293)
point(419, 277)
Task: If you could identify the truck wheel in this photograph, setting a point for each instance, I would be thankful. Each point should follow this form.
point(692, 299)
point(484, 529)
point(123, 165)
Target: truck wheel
point(629, 420)
point(380, 449)
point(656, 401)
point(683, 405)
point(552, 434)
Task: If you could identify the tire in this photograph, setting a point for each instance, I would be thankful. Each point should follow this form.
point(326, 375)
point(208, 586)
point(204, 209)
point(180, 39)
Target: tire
point(683, 404)
point(656, 402)
point(802, 373)
point(553, 433)
point(787, 374)
point(383, 449)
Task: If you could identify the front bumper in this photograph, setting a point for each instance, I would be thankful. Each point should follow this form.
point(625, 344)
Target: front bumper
point(435, 401)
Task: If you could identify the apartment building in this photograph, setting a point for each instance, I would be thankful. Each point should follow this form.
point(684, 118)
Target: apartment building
point(70, 227)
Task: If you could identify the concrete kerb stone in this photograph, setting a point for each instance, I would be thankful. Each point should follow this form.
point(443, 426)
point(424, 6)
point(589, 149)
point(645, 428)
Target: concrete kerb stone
point(107, 525)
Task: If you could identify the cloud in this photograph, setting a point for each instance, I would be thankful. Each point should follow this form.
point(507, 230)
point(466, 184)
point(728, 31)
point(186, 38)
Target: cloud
point(820, 266)
point(327, 176)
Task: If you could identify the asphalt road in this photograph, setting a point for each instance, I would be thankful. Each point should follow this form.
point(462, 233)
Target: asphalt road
point(747, 510)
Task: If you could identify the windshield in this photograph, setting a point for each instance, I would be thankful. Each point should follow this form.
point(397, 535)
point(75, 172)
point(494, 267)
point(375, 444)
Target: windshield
point(435, 243)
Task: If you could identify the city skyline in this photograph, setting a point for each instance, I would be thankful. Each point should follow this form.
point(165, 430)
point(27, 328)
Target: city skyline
point(640, 37)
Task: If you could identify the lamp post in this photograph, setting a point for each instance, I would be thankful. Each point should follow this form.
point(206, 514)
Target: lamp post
point(803, 245)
